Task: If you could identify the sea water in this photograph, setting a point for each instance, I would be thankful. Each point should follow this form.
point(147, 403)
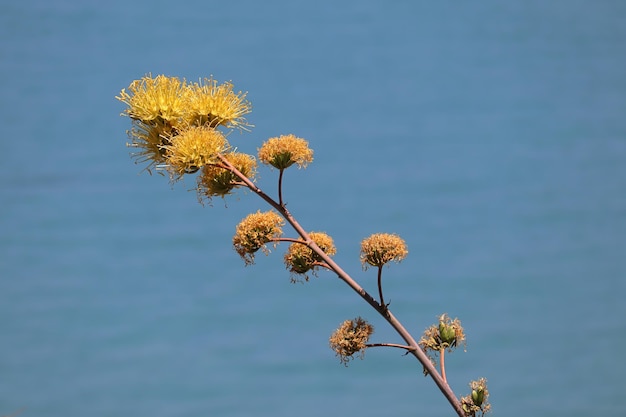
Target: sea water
point(489, 135)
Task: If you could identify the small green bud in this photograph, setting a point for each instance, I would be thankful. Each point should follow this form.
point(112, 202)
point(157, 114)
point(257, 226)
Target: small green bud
point(447, 333)
point(478, 396)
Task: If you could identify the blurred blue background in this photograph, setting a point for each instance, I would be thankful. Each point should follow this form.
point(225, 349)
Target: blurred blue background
point(489, 135)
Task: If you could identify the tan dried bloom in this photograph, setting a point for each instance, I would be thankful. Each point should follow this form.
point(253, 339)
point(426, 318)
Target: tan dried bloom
point(351, 338)
point(216, 181)
point(381, 248)
point(255, 231)
point(217, 104)
point(301, 259)
point(478, 400)
point(283, 151)
point(192, 149)
point(155, 100)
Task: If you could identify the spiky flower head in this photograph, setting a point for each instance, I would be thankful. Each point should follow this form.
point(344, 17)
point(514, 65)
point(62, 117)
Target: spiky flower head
point(217, 181)
point(381, 248)
point(446, 335)
point(351, 338)
point(300, 258)
point(192, 149)
point(156, 100)
point(255, 231)
point(476, 403)
point(217, 104)
point(283, 151)
point(150, 142)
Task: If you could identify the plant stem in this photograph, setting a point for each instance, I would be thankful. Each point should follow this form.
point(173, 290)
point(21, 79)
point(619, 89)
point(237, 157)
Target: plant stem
point(380, 287)
point(288, 239)
point(442, 361)
point(394, 345)
point(280, 188)
point(412, 345)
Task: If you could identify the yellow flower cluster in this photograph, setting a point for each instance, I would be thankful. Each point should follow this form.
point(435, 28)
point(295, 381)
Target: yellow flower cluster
point(151, 142)
point(301, 259)
point(171, 118)
point(351, 338)
point(217, 104)
point(175, 128)
point(156, 100)
point(381, 248)
point(255, 231)
point(283, 151)
point(179, 103)
point(194, 148)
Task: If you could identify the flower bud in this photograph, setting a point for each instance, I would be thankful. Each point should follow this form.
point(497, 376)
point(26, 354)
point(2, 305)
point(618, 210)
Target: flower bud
point(478, 400)
point(447, 333)
point(478, 396)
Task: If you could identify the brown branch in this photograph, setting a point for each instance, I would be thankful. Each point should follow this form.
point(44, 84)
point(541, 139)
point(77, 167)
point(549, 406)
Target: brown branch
point(442, 362)
point(288, 239)
point(419, 354)
point(394, 345)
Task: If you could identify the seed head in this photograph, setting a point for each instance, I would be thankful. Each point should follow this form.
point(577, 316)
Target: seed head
point(448, 334)
point(478, 400)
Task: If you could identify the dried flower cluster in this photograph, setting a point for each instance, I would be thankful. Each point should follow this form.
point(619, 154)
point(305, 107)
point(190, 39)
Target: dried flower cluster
point(255, 231)
point(446, 335)
point(477, 402)
point(283, 151)
point(300, 258)
point(351, 338)
point(381, 248)
point(437, 339)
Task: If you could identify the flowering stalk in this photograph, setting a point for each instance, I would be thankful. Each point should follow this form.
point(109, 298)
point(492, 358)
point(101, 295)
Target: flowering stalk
point(442, 364)
point(176, 128)
point(380, 287)
point(412, 346)
point(280, 188)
